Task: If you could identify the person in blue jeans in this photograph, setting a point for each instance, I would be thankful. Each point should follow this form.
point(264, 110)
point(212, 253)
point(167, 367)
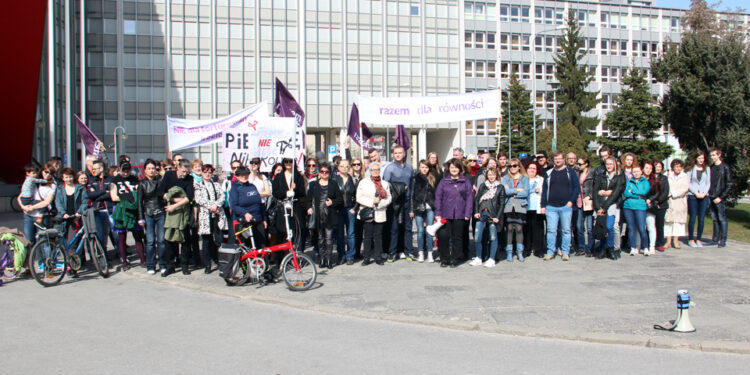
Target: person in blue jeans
point(608, 188)
point(489, 204)
point(559, 194)
point(634, 209)
point(721, 184)
point(345, 230)
point(151, 214)
point(422, 198)
point(700, 183)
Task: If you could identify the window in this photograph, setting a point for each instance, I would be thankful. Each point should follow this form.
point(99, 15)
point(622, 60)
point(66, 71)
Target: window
point(514, 42)
point(479, 11)
point(479, 71)
point(623, 48)
point(548, 44)
point(414, 10)
point(490, 70)
point(490, 40)
point(479, 40)
point(605, 47)
point(591, 46)
point(504, 13)
point(526, 42)
point(468, 10)
point(525, 14)
point(538, 45)
point(504, 42)
point(468, 40)
point(539, 72)
point(605, 101)
point(469, 67)
point(526, 71)
point(538, 15)
point(503, 70)
point(605, 74)
point(605, 19)
point(514, 13)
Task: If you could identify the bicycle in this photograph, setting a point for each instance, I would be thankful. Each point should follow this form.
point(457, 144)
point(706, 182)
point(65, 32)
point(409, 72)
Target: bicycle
point(50, 257)
point(297, 269)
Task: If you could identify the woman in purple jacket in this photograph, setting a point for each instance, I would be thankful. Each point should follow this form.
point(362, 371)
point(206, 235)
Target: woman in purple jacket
point(453, 203)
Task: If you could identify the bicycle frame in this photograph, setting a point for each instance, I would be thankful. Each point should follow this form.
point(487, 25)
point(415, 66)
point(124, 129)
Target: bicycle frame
point(254, 252)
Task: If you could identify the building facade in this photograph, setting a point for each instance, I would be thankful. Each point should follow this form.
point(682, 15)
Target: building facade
point(200, 59)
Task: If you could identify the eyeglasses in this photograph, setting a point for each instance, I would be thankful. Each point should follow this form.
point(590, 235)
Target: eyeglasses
point(324, 172)
point(356, 164)
point(343, 166)
point(256, 162)
point(472, 161)
point(581, 164)
point(514, 165)
point(47, 172)
point(287, 162)
point(312, 165)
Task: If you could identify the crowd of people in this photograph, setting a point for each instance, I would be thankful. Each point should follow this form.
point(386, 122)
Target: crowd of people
point(181, 211)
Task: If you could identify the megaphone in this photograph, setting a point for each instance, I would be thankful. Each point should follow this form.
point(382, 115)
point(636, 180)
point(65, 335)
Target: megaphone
point(683, 324)
point(433, 228)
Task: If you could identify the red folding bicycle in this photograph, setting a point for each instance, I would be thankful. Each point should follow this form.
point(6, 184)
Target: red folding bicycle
point(297, 269)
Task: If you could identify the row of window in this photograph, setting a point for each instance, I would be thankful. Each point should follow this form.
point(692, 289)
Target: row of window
point(478, 39)
point(480, 69)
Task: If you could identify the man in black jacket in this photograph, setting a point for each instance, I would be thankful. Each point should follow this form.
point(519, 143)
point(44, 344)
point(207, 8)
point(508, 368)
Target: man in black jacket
point(98, 192)
point(721, 184)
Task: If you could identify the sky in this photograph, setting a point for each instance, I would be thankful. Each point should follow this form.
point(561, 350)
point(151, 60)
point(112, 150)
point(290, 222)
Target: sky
point(685, 4)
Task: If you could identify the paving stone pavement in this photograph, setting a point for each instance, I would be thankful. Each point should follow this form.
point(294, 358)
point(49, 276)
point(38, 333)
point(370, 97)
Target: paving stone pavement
point(583, 299)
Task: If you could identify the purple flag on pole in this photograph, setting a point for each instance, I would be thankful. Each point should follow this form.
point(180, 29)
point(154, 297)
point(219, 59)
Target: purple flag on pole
point(93, 145)
point(402, 137)
point(353, 130)
point(286, 106)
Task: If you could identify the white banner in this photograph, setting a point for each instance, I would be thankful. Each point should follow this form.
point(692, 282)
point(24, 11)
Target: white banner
point(184, 133)
point(430, 109)
point(270, 139)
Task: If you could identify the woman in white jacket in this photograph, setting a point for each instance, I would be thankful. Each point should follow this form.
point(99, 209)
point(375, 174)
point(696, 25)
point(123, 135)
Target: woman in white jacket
point(677, 213)
point(373, 193)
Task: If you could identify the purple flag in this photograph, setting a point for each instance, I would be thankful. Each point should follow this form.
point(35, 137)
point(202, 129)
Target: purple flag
point(286, 106)
point(402, 137)
point(93, 145)
point(353, 130)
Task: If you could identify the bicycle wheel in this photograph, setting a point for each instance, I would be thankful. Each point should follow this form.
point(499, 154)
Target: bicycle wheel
point(9, 271)
point(47, 262)
point(98, 257)
point(242, 274)
point(14, 203)
point(301, 278)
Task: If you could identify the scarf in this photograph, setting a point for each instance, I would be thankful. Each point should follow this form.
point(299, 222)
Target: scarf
point(492, 186)
point(475, 169)
point(379, 187)
point(197, 177)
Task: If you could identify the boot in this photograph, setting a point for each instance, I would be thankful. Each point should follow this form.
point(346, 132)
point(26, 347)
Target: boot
point(519, 252)
point(509, 252)
point(430, 259)
point(421, 257)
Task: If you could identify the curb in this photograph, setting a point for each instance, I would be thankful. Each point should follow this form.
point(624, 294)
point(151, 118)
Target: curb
point(594, 338)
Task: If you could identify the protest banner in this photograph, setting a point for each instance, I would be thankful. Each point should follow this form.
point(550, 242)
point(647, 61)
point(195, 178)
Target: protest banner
point(430, 109)
point(184, 133)
point(285, 105)
point(91, 143)
point(271, 139)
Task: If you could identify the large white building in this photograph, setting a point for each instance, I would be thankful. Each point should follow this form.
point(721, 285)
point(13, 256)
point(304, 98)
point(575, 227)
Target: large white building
point(146, 60)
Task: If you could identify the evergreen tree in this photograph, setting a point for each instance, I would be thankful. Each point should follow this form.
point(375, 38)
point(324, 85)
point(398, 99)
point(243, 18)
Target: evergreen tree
point(634, 121)
point(568, 139)
point(574, 80)
point(520, 115)
point(708, 103)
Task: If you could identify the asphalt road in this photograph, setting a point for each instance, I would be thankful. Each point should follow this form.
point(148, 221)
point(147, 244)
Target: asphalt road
point(124, 326)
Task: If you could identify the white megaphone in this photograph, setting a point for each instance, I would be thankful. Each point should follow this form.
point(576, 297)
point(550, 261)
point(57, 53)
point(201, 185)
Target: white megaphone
point(683, 324)
point(433, 228)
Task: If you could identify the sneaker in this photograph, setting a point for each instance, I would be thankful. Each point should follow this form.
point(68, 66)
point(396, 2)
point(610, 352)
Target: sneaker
point(430, 259)
point(392, 258)
point(476, 262)
point(420, 259)
point(409, 258)
point(401, 256)
point(548, 256)
point(151, 272)
point(565, 257)
point(489, 263)
point(699, 244)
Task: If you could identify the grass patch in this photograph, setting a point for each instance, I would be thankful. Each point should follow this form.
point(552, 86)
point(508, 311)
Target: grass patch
point(739, 223)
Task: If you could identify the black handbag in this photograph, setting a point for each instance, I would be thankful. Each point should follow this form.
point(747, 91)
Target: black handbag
point(366, 213)
point(420, 209)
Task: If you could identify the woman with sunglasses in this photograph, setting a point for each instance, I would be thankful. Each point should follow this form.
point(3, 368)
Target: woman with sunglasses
point(534, 232)
point(423, 185)
point(345, 239)
point(209, 197)
point(311, 169)
point(585, 208)
point(516, 185)
point(44, 195)
point(488, 211)
point(357, 171)
point(323, 204)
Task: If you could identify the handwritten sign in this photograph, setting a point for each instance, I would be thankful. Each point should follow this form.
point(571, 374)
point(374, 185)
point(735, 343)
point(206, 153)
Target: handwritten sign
point(270, 139)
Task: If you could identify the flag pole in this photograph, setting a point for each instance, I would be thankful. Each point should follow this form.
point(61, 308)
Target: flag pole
point(361, 141)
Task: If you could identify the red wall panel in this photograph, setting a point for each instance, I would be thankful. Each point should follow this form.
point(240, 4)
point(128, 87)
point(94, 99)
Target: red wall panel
point(21, 39)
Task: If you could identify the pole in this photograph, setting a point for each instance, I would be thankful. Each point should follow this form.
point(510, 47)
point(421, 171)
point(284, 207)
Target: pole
point(361, 145)
point(68, 85)
point(82, 72)
point(554, 121)
point(510, 152)
point(51, 76)
point(534, 125)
